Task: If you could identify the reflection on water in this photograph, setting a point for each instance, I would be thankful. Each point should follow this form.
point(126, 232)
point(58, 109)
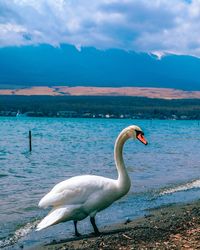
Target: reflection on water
point(67, 147)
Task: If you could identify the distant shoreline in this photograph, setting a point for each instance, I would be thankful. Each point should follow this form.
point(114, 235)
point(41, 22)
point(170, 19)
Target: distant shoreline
point(149, 92)
point(122, 107)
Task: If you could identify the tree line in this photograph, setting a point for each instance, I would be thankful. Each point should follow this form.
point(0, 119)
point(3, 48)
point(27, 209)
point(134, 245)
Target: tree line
point(100, 106)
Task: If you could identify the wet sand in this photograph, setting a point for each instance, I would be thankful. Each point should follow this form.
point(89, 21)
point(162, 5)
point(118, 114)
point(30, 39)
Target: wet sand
point(172, 227)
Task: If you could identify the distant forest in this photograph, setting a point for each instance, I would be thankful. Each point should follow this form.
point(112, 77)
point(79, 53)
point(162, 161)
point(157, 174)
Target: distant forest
point(99, 106)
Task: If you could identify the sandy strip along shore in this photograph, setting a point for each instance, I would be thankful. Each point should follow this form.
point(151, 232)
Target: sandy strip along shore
point(163, 93)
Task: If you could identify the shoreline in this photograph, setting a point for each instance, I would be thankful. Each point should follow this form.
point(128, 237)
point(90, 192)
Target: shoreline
point(171, 227)
point(122, 107)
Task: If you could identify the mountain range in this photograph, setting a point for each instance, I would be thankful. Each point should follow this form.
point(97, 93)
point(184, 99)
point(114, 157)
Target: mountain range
point(45, 65)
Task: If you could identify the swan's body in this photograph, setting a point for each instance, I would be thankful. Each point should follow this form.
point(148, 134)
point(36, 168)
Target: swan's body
point(86, 195)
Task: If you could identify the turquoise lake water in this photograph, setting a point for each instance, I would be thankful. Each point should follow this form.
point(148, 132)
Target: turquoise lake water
point(162, 173)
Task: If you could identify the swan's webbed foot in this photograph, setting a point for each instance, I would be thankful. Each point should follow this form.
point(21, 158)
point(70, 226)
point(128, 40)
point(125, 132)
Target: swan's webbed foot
point(96, 230)
point(77, 234)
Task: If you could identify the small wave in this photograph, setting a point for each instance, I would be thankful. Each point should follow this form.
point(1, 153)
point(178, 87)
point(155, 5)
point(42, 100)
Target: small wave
point(21, 232)
point(20, 176)
point(184, 187)
point(3, 175)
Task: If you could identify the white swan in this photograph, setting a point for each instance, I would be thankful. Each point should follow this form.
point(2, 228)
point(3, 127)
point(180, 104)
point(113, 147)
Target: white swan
point(86, 195)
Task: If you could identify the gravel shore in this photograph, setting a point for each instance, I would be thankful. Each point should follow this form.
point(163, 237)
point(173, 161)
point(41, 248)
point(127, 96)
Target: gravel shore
point(172, 227)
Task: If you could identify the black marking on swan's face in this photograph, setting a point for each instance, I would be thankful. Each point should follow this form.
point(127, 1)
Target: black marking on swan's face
point(140, 136)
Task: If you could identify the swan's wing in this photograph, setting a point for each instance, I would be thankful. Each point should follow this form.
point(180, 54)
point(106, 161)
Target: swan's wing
point(75, 190)
point(59, 198)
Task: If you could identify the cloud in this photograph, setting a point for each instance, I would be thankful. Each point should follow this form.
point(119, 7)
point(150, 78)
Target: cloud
point(160, 26)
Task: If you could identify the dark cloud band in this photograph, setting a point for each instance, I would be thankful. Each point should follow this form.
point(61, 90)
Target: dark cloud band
point(141, 25)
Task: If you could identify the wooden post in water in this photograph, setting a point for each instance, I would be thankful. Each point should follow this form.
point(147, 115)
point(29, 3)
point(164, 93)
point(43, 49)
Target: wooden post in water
point(30, 143)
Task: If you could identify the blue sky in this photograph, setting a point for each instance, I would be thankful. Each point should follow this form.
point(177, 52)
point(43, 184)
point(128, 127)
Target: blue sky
point(158, 26)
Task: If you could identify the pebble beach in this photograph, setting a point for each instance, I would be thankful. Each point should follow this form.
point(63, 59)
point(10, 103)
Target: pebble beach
point(171, 227)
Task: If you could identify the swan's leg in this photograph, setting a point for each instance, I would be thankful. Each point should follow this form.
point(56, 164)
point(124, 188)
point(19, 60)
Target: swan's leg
point(76, 230)
point(96, 230)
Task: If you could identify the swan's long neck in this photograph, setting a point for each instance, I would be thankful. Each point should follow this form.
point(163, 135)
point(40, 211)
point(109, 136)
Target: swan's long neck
point(123, 180)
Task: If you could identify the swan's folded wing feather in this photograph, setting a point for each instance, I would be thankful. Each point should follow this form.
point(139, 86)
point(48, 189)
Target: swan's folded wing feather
point(52, 218)
point(75, 190)
point(59, 198)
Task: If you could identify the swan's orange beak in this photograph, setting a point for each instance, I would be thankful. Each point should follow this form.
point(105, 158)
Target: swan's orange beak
point(141, 138)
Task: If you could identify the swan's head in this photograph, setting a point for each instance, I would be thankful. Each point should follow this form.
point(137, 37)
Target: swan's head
point(136, 132)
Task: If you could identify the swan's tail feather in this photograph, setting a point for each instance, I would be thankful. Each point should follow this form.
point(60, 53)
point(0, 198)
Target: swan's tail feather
point(55, 216)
